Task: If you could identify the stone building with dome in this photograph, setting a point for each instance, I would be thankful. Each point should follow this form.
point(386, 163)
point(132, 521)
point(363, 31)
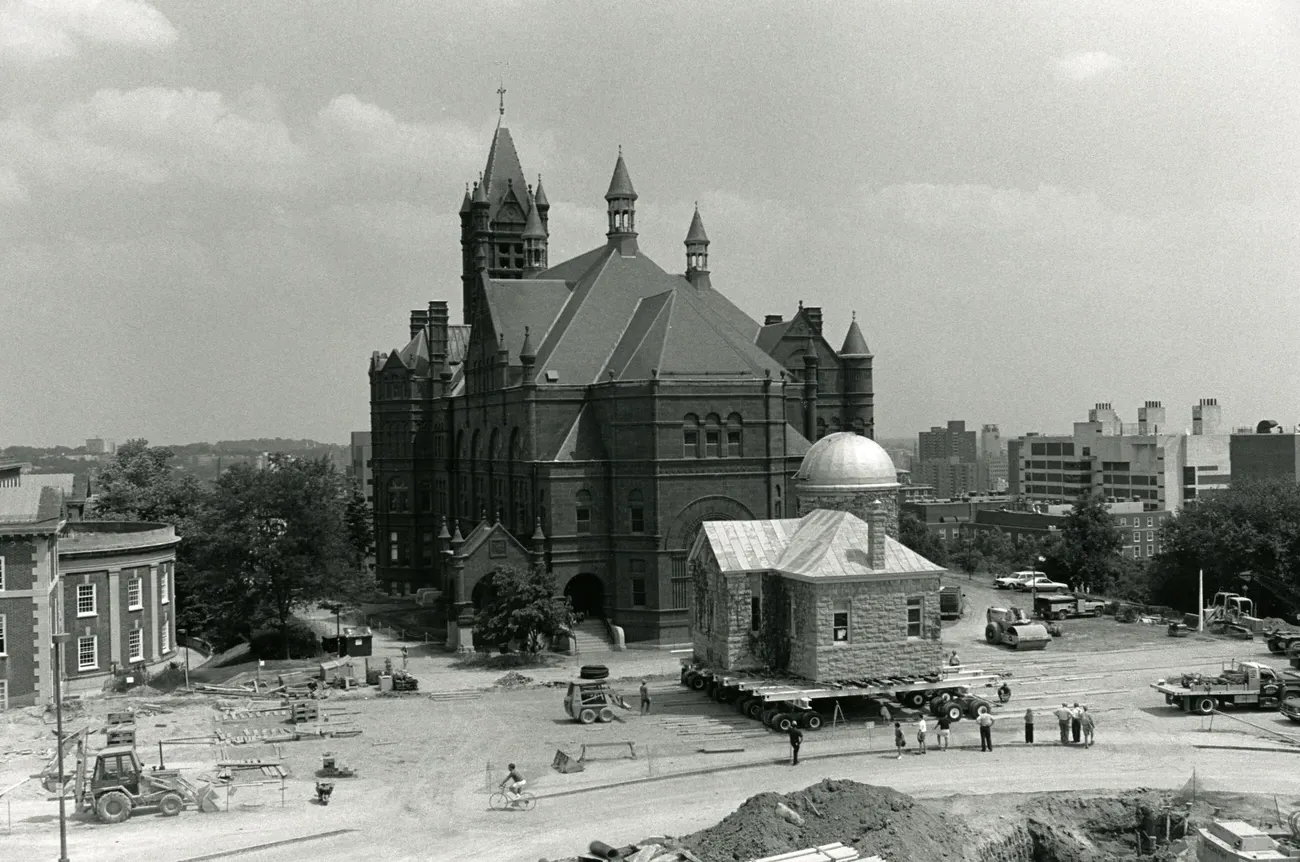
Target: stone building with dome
point(830, 595)
point(589, 415)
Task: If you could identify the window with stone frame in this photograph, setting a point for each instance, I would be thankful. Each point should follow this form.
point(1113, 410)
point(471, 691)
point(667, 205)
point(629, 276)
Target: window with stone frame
point(88, 653)
point(86, 600)
point(164, 584)
point(914, 617)
point(134, 597)
point(582, 512)
point(399, 495)
point(690, 436)
point(135, 645)
point(165, 635)
point(840, 623)
point(637, 570)
point(636, 511)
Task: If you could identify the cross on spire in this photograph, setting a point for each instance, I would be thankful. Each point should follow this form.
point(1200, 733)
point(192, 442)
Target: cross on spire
point(501, 93)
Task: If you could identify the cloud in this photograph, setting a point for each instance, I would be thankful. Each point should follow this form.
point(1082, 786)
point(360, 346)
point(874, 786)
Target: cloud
point(36, 31)
point(11, 190)
point(1045, 214)
point(377, 136)
point(1085, 65)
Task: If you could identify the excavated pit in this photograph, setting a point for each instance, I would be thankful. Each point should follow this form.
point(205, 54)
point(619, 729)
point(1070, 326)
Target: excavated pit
point(1059, 827)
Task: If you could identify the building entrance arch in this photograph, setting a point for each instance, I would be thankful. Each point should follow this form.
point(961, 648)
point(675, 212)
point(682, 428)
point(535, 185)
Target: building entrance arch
point(586, 592)
point(686, 526)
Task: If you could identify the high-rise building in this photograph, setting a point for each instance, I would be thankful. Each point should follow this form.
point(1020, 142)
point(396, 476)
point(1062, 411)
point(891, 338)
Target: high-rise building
point(1266, 451)
point(992, 467)
point(946, 459)
point(360, 470)
point(588, 415)
point(1144, 461)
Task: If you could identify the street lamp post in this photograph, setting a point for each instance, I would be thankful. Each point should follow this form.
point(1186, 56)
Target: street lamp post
point(59, 641)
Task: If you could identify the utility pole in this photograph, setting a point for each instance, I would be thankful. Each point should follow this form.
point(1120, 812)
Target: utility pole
point(1200, 602)
point(59, 641)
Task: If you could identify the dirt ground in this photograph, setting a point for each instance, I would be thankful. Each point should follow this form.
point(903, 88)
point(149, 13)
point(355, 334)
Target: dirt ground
point(426, 761)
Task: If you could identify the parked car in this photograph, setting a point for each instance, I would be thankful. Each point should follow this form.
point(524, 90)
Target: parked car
point(1042, 584)
point(1011, 581)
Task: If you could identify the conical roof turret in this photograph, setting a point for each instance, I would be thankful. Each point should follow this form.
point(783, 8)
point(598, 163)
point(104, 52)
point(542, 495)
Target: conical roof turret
point(467, 204)
point(533, 228)
point(854, 343)
point(540, 195)
point(620, 185)
point(696, 232)
point(528, 351)
point(480, 195)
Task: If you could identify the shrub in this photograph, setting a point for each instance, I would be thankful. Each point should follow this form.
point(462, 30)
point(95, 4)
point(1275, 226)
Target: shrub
point(303, 642)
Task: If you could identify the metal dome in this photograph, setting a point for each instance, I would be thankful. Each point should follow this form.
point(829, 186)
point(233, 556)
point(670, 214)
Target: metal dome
point(844, 461)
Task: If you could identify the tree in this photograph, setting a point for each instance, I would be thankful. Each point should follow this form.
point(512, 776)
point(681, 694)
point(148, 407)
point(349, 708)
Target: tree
point(913, 533)
point(279, 538)
point(965, 555)
point(523, 607)
point(1090, 543)
point(1247, 536)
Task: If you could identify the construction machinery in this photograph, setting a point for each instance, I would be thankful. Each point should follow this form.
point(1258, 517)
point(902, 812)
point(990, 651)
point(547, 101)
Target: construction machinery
point(112, 783)
point(1281, 640)
point(591, 700)
point(950, 603)
point(1010, 626)
point(1245, 683)
point(781, 704)
point(1059, 606)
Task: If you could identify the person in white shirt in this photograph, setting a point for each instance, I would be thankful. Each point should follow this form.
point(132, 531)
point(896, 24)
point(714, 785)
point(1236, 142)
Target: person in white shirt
point(921, 728)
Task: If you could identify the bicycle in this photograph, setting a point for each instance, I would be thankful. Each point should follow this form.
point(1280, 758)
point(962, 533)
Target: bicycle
point(501, 801)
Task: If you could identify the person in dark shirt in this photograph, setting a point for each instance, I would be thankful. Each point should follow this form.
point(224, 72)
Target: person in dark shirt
point(1029, 727)
point(796, 740)
point(945, 726)
point(899, 741)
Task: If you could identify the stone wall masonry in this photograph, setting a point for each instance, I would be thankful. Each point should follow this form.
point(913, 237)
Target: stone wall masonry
point(858, 503)
point(721, 631)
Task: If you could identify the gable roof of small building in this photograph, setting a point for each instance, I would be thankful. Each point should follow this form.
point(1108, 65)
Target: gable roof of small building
point(823, 544)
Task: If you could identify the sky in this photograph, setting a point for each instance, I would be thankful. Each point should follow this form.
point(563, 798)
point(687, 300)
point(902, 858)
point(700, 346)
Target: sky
point(212, 213)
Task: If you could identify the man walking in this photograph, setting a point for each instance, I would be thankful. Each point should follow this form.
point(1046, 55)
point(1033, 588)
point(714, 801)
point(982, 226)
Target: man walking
point(1076, 723)
point(945, 725)
point(1089, 723)
point(645, 699)
point(1063, 718)
point(796, 740)
point(921, 728)
point(985, 721)
point(1029, 727)
point(899, 741)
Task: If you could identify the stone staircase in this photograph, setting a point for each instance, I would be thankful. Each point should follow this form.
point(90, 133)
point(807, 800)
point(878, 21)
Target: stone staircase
point(591, 637)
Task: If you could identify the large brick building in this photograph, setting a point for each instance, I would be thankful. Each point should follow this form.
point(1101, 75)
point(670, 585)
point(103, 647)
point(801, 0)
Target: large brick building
point(599, 409)
point(108, 584)
point(830, 596)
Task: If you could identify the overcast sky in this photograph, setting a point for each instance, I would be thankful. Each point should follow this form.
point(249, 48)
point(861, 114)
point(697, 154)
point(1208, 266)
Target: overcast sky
point(212, 212)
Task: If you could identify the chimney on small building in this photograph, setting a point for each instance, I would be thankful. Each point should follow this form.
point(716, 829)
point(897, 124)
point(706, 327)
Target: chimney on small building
point(419, 320)
point(772, 318)
point(876, 535)
point(814, 315)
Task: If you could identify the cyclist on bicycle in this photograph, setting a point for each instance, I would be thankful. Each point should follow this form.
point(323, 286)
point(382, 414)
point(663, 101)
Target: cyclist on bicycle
point(513, 784)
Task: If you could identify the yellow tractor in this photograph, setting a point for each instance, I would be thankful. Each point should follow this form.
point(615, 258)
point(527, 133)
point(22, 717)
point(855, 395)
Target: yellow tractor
point(118, 784)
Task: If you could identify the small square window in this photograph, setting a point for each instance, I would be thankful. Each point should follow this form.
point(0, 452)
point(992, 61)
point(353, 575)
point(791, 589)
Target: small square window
point(1150, 522)
point(1137, 552)
point(914, 618)
point(1151, 550)
point(711, 444)
point(135, 645)
point(690, 443)
point(133, 593)
point(1137, 536)
point(1123, 522)
point(86, 600)
point(733, 444)
point(87, 653)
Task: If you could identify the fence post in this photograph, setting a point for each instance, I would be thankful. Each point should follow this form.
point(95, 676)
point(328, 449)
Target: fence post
point(487, 777)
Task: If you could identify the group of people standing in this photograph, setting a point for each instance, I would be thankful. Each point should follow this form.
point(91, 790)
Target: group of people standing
point(1075, 723)
point(1076, 726)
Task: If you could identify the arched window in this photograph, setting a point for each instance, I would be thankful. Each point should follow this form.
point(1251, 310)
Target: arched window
point(399, 495)
point(582, 512)
point(734, 436)
point(712, 436)
point(636, 511)
point(691, 436)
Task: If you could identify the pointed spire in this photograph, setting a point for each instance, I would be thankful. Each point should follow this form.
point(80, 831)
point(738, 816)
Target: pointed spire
point(442, 533)
point(456, 538)
point(620, 185)
point(541, 195)
point(854, 343)
point(696, 232)
point(533, 226)
point(467, 204)
point(538, 535)
point(527, 351)
point(480, 193)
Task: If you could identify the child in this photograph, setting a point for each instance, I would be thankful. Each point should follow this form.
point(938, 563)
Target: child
point(899, 741)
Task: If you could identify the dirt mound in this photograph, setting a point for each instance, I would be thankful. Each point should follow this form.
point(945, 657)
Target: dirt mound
point(514, 679)
point(1067, 828)
point(875, 820)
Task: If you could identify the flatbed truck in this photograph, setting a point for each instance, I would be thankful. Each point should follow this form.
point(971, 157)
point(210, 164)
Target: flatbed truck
point(1249, 684)
point(782, 703)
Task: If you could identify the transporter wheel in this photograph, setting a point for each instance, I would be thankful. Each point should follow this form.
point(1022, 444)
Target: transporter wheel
point(914, 699)
point(754, 709)
point(977, 707)
point(1061, 615)
point(953, 710)
point(697, 682)
point(767, 715)
point(1205, 705)
point(811, 720)
point(742, 704)
point(783, 722)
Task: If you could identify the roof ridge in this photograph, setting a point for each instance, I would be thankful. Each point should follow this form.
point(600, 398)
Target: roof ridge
point(627, 323)
point(726, 336)
point(575, 302)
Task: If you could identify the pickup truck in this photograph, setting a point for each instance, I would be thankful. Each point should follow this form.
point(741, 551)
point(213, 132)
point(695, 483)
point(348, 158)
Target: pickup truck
point(1059, 606)
point(1247, 684)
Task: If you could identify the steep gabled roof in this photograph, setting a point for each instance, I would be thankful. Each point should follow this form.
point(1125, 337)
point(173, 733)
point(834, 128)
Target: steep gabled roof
point(415, 355)
point(457, 342)
point(516, 304)
point(502, 172)
point(749, 546)
point(482, 531)
point(30, 506)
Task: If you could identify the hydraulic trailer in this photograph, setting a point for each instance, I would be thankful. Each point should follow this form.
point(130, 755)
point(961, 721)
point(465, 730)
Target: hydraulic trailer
point(781, 704)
